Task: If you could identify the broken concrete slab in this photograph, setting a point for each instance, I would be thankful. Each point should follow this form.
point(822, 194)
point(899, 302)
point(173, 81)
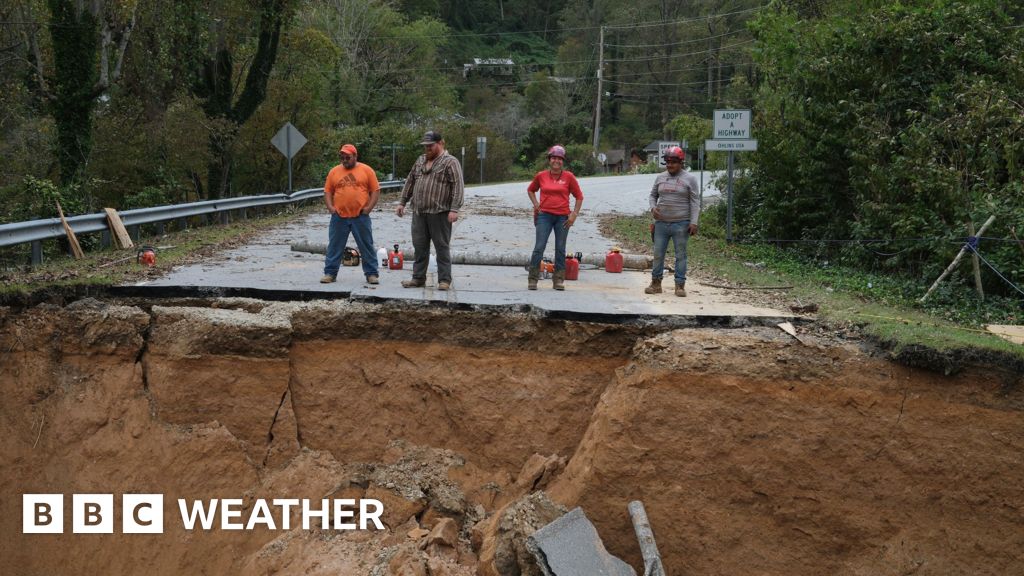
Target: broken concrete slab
point(571, 546)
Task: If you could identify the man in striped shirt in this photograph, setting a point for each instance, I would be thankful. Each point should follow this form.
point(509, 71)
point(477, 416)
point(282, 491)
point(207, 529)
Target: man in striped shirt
point(435, 188)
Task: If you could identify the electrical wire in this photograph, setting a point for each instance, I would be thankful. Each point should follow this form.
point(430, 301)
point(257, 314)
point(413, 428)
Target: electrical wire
point(683, 55)
point(675, 43)
point(971, 247)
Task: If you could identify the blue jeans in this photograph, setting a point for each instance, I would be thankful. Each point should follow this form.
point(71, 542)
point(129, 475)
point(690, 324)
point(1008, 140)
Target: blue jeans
point(545, 224)
point(337, 237)
point(679, 232)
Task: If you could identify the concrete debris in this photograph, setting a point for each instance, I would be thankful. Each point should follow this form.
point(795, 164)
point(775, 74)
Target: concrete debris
point(570, 546)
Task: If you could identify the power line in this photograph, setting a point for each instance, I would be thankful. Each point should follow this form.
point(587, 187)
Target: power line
point(684, 21)
point(577, 28)
point(673, 70)
point(697, 83)
point(675, 43)
point(684, 55)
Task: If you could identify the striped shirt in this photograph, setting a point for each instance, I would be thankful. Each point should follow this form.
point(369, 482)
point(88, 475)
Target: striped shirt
point(677, 197)
point(436, 190)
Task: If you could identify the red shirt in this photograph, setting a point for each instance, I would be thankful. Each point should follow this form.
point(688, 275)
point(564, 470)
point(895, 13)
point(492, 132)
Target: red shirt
point(554, 193)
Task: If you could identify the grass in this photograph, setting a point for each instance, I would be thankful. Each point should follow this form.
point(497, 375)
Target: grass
point(110, 267)
point(880, 306)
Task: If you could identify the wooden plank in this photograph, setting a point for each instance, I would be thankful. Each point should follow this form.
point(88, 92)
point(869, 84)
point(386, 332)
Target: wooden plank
point(76, 249)
point(121, 237)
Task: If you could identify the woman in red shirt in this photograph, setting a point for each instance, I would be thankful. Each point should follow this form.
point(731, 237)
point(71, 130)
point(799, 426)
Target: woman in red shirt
point(551, 214)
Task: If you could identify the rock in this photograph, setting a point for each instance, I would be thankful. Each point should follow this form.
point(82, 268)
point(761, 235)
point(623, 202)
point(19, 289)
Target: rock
point(538, 471)
point(417, 533)
point(397, 509)
point(501, 539)
point(445, 532)
point(408, 562)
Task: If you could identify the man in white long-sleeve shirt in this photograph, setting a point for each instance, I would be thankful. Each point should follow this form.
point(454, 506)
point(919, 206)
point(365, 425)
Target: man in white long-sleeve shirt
point(675, 205)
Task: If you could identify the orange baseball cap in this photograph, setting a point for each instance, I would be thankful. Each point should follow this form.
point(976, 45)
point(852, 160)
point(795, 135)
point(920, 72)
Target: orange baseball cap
point(348, 149)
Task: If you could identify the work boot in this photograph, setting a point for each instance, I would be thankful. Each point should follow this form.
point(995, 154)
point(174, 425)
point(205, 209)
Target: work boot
point(444, 285)
point(414, 283)
point(681, 288)
point(558, 280)
point(531, 282)
point(327, 279)
point(655, 287)
point(372, 279)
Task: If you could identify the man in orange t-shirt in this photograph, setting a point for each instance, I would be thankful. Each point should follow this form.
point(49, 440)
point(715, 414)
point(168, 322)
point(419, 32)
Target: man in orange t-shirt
point(351, 192)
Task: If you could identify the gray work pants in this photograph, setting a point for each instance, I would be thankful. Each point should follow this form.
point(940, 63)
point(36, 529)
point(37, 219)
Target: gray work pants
point(436, 228)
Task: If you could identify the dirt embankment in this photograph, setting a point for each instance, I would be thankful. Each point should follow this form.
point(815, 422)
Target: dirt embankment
point(752, 453)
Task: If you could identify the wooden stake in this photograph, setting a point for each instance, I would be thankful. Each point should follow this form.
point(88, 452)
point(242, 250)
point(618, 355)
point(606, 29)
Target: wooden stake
point(76, 250)
point(956, 261)
point(975, 264)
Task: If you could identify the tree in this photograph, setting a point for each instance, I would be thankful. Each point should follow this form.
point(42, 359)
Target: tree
point(88, 41)
point(388, 64)
point(216, 79)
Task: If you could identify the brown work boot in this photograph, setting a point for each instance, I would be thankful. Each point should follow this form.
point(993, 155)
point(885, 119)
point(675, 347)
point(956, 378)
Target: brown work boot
point(372, 279)
point(655, 287)
point(444, 285)
point(327, 279)
point(414, 283)
point(680, 288)
point(558, 280)
point(531, 282)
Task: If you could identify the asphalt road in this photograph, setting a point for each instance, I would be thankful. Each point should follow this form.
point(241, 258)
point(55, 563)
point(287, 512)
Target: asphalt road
point(496, 219)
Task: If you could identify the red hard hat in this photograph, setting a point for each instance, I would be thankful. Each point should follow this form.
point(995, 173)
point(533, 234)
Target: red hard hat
point(556, 151)
point(675, 152)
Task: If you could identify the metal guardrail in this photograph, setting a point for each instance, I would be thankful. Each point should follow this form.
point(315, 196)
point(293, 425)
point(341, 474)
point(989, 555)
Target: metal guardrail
point(35, 231)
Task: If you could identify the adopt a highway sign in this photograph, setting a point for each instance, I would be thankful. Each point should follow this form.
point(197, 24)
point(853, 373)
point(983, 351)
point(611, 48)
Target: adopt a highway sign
point(731, 125)
point(730, 145)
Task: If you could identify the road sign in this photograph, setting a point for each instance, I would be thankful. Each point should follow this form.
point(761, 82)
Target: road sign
point(288, 140)
point(662, 147)
point(731, 145)
point(731, 125)
point(481, 147)
point(602, 158)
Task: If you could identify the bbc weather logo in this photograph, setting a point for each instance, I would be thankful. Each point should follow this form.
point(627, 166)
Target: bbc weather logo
point(93, 513)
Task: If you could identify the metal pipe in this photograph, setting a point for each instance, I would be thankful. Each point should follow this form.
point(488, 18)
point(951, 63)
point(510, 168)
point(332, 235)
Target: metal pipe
point(644, 534)
point(629, 261)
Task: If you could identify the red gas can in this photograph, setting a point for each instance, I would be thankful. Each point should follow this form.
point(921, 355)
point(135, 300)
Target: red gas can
point(395, 259)
point(572, 267)
point(613, 261)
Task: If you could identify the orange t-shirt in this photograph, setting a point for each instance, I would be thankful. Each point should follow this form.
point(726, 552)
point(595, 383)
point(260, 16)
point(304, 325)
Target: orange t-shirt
point(350, 189)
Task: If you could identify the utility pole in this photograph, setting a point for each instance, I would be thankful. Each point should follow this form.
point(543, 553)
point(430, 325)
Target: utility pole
point(393, 147)
point(597, 101)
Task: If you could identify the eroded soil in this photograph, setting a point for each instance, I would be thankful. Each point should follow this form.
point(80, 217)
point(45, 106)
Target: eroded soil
point(753, 453)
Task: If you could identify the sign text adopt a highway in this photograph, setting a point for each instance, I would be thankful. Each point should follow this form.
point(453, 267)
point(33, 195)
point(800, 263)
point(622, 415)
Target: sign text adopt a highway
point(731, 125)
point(731, 132)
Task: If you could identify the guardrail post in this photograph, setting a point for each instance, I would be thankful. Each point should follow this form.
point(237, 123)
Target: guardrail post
point(160, 229)
point(135, 233)
point(225, 217)
point(105, 239)
point(244, 214)
point(182, 224)
point(37, 252)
